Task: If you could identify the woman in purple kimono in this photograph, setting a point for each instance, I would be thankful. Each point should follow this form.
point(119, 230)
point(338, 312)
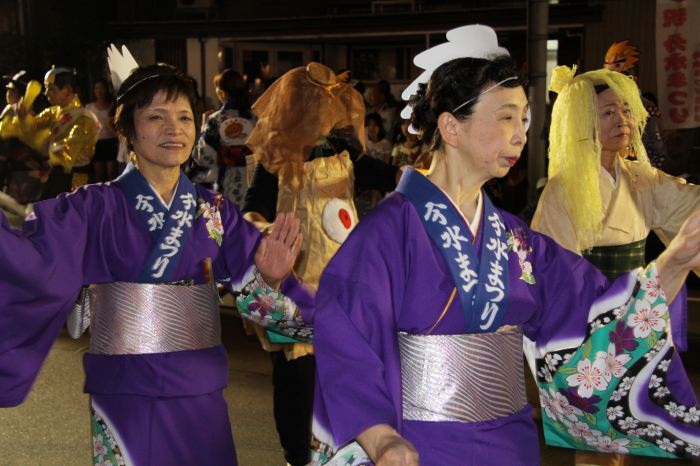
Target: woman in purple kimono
point(151, 245)
point(421, 315)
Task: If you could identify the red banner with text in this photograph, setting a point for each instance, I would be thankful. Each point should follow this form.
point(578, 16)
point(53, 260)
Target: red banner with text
point(678, 62)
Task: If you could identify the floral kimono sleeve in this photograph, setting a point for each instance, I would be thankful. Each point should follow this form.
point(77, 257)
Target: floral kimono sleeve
point(616, 384)
point(279, 311)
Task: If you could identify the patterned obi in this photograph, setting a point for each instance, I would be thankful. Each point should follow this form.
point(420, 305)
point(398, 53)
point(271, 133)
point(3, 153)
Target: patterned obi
point(139, 318)
point(464, 378)
point(613, 261)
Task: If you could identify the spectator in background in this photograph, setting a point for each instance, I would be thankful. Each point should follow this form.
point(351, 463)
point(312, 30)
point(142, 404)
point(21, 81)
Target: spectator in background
point(407, 148)
point(221, 152)
point(377, 143)
point(380, 101)
point(104, 163)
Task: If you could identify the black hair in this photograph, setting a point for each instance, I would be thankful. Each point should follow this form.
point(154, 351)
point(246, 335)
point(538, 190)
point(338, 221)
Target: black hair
point(233, 84)
point(400, 137)
point(66, 78)
point(385, 88)
point(379, 121)
point(451, 85)
point(139, 89)
point(107, 85)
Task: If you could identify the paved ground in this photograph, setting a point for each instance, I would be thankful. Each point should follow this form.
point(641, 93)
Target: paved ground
point(52, 426)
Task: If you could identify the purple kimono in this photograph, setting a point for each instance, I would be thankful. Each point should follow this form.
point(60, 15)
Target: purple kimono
point(390, 277)
point(148, 409)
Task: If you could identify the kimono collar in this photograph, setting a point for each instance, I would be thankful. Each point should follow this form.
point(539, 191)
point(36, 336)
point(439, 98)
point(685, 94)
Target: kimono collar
point(615, 182)
point(479, 270)
point(476, 221)
point(169, 225)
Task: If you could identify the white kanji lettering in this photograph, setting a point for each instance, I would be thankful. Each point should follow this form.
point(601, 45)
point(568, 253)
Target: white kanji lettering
point(498, 247)
point(156, 221)
point(494, 276)
point(171, 248)
point(433, 213)
point(500, 293)
point(188, 201)
point(466, 273)
point(185, 218)
point(453, 238)
point(496, 223)
point(467, 287)
point(143, 203)
point(488, 314)
point(159, 266)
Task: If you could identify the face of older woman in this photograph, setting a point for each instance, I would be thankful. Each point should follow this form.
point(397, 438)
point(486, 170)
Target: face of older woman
point(494, 135)
point(615, 122)
point(165, 132)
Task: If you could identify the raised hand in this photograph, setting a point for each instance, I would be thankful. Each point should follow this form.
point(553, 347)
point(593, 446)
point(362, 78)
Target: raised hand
point(681, 256)
point(278, 251)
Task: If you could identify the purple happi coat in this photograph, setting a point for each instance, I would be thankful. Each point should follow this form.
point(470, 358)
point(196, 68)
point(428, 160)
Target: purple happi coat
point(162, 408)
point(389, 277)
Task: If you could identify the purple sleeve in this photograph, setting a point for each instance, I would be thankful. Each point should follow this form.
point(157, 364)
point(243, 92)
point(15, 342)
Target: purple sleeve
point(572, 293)
point(239, 243)
point(302, 295)
point(566, 287)
point(42, 272)
point(358, 369)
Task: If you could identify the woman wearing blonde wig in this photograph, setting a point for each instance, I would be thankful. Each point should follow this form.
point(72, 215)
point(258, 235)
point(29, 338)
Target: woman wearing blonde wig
point(598, 202)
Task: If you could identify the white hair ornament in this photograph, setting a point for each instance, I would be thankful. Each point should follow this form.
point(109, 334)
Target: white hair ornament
point(121, 65)
point(472, 41)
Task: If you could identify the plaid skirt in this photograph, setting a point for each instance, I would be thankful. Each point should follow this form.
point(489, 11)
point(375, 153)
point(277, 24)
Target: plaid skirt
point(613, 261)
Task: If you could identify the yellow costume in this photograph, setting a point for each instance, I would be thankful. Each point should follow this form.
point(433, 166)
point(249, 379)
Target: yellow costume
point(639, 199)
point(585, 207)
point(66, 135)
point(72, 134)
point(320, 191)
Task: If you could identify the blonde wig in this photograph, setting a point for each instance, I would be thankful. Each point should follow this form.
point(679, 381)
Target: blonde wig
point(574, 143)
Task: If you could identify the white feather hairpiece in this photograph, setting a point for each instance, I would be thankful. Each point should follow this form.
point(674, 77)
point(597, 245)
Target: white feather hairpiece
point(121, 65)
point(475, 41)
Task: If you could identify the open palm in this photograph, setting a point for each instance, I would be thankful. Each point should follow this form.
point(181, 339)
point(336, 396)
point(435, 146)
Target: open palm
point(278, 251)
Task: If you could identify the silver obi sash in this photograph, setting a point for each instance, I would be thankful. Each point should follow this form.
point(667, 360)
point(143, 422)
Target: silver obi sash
point(466, 378)
point(138, 318)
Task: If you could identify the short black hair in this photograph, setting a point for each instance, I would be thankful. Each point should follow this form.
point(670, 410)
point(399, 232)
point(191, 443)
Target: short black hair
point(106, 84)
point(379, 121)
point(66, 78)
point(139, 89)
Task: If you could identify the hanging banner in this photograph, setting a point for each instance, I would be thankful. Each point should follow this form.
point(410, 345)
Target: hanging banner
point(678, 62)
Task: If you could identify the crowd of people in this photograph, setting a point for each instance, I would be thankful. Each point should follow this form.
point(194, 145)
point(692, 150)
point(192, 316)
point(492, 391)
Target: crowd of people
point(396, 297)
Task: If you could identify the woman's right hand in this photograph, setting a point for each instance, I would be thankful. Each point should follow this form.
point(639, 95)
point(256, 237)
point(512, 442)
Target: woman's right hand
point(387, 448)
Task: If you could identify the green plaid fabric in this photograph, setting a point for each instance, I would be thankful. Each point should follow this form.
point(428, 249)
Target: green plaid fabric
point(613, 261)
